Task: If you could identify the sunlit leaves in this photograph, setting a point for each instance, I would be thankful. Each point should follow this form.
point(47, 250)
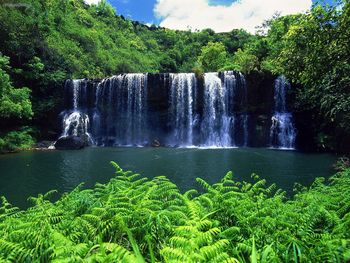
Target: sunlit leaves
point(132, 219)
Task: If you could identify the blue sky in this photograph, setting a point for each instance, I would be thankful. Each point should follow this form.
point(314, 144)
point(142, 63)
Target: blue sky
point(220, 15)
point(136, 11)
point(144, 12)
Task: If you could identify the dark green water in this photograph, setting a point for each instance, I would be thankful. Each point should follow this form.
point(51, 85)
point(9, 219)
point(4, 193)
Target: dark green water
point(29, 173)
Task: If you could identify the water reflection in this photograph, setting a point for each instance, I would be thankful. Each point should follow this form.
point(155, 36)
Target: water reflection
point(29, 173)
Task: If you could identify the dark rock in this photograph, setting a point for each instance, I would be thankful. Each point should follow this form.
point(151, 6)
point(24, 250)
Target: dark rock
point(260, 93)
point(71, 143)
point(43, 144)
point(156, 143)
point(259, 130)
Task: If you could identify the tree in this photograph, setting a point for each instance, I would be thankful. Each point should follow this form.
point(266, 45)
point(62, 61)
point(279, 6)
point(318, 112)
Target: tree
point(14, 103)
point(105, 9)
point(213, 56)
point(244, 61)
point(313, 51)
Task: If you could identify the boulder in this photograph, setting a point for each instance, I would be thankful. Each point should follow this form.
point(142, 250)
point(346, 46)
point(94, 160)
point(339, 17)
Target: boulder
point(44, 145)
point(71, 143)
point(156, 143)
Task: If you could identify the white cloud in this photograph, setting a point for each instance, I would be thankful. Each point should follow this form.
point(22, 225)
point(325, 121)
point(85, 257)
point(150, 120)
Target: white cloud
point(246, 14)
point(90, 2)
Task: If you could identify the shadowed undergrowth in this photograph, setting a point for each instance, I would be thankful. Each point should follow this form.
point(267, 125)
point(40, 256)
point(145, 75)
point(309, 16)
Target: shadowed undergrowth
point(133, 219)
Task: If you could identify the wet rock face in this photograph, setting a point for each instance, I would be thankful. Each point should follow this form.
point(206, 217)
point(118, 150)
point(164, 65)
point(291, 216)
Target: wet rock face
point(43, 144)
point(259, 128)
point(71, 143)
point(260, 93)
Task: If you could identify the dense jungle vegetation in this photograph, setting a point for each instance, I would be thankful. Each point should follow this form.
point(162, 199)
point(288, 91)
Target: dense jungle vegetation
point(42, 43)
point(133, 219)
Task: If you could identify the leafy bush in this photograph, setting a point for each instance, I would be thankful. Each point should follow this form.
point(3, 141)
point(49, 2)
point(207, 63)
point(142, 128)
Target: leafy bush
point(14, 103)
point(16, 140)
point(342, 164)
point(133, 219)
point(245, 61)
point(213, 56)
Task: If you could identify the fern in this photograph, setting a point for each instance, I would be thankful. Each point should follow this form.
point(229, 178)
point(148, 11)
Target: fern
point(133, 219)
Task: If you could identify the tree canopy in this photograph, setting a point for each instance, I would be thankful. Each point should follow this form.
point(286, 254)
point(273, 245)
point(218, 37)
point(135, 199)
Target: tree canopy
point(313, 50)
point(213, 56)
point(14, 103)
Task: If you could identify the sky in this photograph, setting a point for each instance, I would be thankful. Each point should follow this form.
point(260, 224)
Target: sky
point(220, 15)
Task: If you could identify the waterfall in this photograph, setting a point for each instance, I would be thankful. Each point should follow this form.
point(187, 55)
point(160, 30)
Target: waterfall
point(282, 131)
point(236, 98)
point(182, 88)
point(120, 115)
point(75, 124)
point(217, 123)
point(245, 129)
point(244, 104)
point(224, 96)
point(178, 110)
point(76, 121)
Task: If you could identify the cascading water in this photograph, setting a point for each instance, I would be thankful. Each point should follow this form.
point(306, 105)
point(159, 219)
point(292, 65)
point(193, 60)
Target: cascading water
point(244, 116)
point(76, 121)
point(217, 122)
point(236, 98)
point(75, 124)
point(120, 116)
point(221, 126)
point(282, 131)
point(182, 99)
point(178, 110)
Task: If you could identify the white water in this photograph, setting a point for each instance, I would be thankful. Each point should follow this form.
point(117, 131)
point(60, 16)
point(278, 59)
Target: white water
point(282, 131)
point(216, 122)
point(181, 108)
point(220, 125)
point(115, 112)
point(76, 122)
point(244, 103)
point(120, 116)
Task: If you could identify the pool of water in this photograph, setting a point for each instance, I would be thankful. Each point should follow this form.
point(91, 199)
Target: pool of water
point(29, 173)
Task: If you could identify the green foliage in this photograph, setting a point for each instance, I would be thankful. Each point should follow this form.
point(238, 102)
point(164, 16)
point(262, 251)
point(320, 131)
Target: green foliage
point(16, 140)
point(213, 56)
point(14, 103)
point(313, 50)
point(105, 9)
point(14, 106)
point(50, 41)
point(245, 61)
point(133, 219)
point(342, 164)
